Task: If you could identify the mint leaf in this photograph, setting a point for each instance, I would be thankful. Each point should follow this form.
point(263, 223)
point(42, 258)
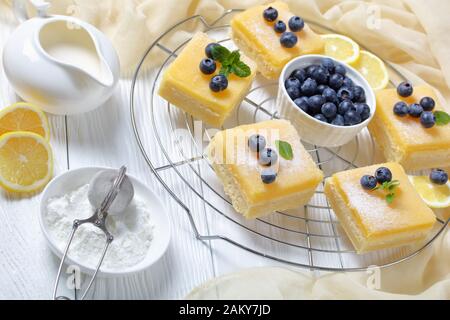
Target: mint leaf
point(220, 53)
point(241, 69)
point(225, 70)
point(232, 58)
point(442, 118)
point(390, 197)
point(284, 149)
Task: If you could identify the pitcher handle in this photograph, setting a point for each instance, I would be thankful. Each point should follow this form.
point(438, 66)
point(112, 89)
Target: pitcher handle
point(20, 9)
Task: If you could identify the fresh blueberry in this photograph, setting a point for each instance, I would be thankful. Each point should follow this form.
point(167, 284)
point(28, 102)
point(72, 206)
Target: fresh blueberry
point(358, 94)
point(345, 93)
point(365, 113)
point(321, 117)
point(336, 81)
point(338, 121)
point(288, 39)
point(321, 88)
point(427, 119)
point(330, 95)
point(405, 89)
point(302, 103)
point(368, 182)
point(209, 48)
point(293, 92)
point(268, 157)
point(316, 101)
point(256, 142)
point(300, 74)
point(296, 23)
point(348, 82)
point(383, 174)
point(292, 82)
point(401, 109)
point(415, 110)
point(329, 110)
point(310, 70)
point(279, 26)
point(427, 103)
point(270, 14)
point(328, 64)
point(345, 106)
point(340, 69)
point(268, 175)
point(218, 83)
point(351, 118)
point(320, 74)
point(208, 66)
point(438, 176)
point(309, 87)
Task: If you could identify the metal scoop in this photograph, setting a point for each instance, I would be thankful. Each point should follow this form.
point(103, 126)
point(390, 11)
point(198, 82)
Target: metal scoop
point(98, 219)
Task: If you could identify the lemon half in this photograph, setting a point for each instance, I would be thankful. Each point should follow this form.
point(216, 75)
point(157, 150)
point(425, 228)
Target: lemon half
point(26, 162)
point(372, 69)
point(341, 48)
point(435, 196)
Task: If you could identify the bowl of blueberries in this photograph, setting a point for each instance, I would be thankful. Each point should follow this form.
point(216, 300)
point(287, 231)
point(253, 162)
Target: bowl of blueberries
point(327, 101)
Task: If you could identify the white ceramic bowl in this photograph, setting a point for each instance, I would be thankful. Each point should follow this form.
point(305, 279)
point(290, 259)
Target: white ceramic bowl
point(310, 129)
point(74, 179)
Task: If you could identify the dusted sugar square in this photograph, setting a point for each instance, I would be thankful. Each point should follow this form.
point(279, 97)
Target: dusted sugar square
point(404, 139)
point(259, 41)
point(240, 173)
point(369, 221)
point(185, 86)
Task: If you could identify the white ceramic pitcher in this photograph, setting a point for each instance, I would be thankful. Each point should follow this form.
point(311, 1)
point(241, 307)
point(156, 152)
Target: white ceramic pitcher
point(60, 63)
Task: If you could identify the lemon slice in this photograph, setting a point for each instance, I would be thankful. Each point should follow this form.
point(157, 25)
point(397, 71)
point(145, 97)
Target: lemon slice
point(24, 117)
point(26, 161)
point(435, 196)
point(341, 48)
point(373, 69)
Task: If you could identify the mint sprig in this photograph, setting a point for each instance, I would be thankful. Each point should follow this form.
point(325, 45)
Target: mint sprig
point(389, 187)
point(284, 149)
point(231, 62)
point(442, 118)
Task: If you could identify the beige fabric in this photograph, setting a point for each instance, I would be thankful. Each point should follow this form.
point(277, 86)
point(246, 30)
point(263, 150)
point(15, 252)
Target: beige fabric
point(413, 34)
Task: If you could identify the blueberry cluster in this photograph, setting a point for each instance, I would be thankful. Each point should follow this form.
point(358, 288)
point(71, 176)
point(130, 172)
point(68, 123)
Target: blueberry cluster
point(208, 66)
point(438, 176)
point(288, 39)
point(267, 157)
point(422, 110)
point(382, 175)
point(325, 92)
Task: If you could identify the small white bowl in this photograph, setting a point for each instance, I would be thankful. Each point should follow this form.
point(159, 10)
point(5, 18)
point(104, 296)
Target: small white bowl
point(73, 179)
point(310, 129)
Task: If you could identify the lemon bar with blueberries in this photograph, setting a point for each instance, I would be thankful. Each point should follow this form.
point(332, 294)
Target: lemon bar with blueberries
point(408, 127)
point(272, 36)
point(378, 207)
point(207, 87)
point(264, 167)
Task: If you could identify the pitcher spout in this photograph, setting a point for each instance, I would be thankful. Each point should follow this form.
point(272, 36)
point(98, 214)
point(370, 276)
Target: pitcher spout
point(73, 46)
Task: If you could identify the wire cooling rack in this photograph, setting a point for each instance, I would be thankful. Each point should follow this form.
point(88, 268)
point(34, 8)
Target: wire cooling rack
point(310, 236)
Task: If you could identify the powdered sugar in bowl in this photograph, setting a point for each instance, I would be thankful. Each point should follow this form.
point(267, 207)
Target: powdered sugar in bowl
point(141, 233)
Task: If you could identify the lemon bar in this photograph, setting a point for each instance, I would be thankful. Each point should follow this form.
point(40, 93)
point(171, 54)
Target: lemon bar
point(404, 139)
point(367, 218)
point(258, 40)
point(240, 172)
point(184, 85)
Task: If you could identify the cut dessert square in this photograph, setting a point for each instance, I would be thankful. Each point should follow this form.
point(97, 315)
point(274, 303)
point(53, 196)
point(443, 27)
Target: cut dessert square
point(184, 85)
point(240, 171)
point(258, 40)
point(369, 220)
point(404, 139)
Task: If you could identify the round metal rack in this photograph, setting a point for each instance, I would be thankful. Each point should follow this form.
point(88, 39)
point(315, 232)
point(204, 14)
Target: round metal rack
point(309, 237)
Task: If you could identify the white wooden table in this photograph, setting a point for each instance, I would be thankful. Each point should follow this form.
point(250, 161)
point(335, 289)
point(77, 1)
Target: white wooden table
point(103, 137)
